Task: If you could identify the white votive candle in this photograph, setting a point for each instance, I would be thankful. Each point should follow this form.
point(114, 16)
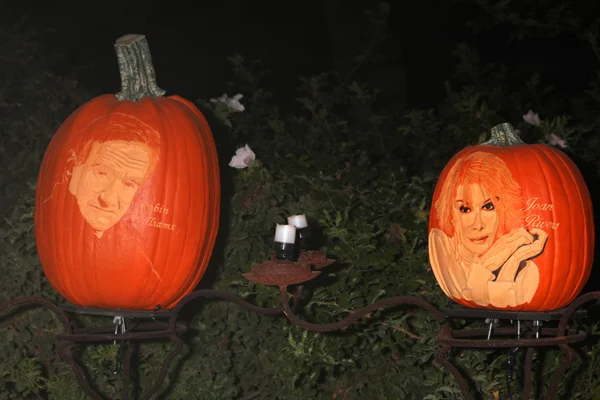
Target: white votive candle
point(285, 234)
point(299, 221)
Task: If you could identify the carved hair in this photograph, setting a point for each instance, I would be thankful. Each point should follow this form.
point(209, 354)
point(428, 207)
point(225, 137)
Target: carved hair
point(492, 174)
point(116, 126)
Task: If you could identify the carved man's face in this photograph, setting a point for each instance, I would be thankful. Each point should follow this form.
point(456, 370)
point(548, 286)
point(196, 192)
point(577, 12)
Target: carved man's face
point(106, 183)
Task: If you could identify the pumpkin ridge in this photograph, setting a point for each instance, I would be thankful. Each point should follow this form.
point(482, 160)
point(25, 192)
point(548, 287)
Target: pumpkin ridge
point(522, 170)
point(111, 115)
point(48, 225)
point(66, 261)
point(192, 135)
point(56, 254)
point(42, 225)
point(518, 169)
point(203, 214)
point(567, 280)
point(149, 256)
point(212, 190)
point(571, 280)
point(158, 261)
point(169, 194)
point(75, 261)
point(69, 263)
point(174, 260)
point(203, 261)
point(168, 265)
point(563, 280)
point(537, 156)
point(584, 272)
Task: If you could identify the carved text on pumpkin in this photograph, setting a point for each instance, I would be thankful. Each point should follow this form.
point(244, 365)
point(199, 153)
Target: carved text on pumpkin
point(536, 220)
point(532, 204)
point(152, 221)
point(156, 208)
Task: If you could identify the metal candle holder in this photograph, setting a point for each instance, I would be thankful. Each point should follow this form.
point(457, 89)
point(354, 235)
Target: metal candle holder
point(164, 324)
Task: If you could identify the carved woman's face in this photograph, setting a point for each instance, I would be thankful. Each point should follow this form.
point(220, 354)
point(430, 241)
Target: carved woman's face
point(476, 219)
point(106, 183)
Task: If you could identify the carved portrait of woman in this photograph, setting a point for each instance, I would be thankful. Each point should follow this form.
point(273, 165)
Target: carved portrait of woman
point(483, 251)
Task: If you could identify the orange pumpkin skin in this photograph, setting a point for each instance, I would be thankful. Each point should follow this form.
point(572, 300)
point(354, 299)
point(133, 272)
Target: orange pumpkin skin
point(529, 193)
point(166, 235)
point(148, 252)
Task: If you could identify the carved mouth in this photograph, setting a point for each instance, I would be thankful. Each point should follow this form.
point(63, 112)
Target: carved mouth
point(107, 211)
point(479, 240)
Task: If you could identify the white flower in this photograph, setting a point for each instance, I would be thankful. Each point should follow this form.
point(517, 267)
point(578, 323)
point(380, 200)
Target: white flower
point(531, 118)
point(556, 140)
point(244, 157)
point(233, 103)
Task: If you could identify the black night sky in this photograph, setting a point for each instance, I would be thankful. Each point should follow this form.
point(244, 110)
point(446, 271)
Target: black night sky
point(190, 41)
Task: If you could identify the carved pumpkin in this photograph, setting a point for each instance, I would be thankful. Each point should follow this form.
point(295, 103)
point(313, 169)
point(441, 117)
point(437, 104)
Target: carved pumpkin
point(511, 226)
point(127, 202)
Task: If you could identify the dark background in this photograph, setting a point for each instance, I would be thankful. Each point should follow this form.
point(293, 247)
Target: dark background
point(190, 41)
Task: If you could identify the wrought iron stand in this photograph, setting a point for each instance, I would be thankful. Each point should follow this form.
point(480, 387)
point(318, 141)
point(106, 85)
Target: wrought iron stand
point(529, 333)
point(138, 326)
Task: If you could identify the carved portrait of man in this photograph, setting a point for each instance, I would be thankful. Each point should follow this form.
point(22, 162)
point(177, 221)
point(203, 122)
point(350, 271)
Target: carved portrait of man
point(108, 172)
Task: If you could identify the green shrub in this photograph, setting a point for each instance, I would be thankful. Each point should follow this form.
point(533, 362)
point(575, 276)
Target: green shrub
point(362, 172)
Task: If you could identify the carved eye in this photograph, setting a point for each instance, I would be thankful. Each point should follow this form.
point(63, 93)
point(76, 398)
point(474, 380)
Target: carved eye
point(489, 206)
point(130, 185)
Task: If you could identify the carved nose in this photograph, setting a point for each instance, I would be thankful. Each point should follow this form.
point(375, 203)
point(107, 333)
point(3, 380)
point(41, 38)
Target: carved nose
point(102, 202)
point(478, 223)
point(107, 198)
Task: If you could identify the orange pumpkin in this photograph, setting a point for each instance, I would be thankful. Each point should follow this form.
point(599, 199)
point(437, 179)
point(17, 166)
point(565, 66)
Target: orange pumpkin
point(511, 226)
point(127, 202)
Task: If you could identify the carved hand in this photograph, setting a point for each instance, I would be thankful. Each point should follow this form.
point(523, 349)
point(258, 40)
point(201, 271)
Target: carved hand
point(505, 247)
point(524, 253)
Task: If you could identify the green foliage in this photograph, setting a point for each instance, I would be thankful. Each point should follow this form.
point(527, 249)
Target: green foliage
point(31, 104)
point(361, 172)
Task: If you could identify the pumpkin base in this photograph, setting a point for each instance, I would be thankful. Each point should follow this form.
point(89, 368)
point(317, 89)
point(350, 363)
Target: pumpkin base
point(455, 310)
point(162, 313)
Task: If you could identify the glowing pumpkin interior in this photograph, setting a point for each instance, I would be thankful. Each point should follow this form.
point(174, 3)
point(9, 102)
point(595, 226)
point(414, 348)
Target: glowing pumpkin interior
point(511, 226)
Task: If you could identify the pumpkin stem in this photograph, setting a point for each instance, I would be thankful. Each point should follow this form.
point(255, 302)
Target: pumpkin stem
point(138, 79)
point(504, 135)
